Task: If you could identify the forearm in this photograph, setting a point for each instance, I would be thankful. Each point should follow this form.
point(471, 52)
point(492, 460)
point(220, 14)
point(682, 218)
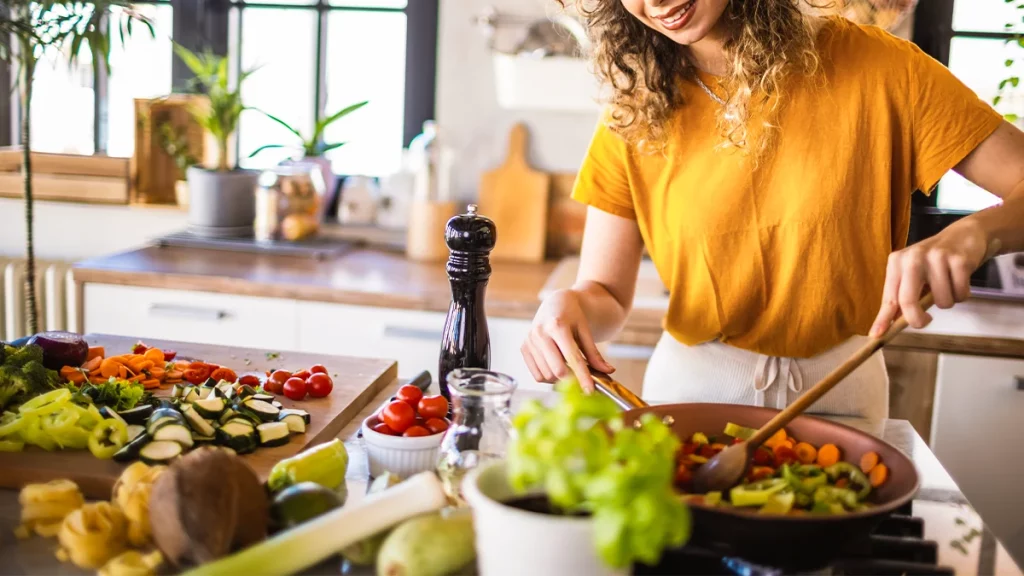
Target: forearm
point(605, 313)
point(1003, 223)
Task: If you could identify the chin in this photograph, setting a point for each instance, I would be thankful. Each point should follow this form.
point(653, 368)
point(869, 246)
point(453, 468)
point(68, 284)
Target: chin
point(688, 21)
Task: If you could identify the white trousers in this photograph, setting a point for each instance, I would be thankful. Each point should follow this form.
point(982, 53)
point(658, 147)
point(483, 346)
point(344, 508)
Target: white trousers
point(717, 372)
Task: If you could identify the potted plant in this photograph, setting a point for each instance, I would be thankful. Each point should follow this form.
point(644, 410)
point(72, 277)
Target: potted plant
point(176, 145)
point(579, 492)
point(27, 29)
point(311, 150)
point(222, 199)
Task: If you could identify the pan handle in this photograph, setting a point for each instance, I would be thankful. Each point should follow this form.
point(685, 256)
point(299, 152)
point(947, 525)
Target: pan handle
point(624, 397)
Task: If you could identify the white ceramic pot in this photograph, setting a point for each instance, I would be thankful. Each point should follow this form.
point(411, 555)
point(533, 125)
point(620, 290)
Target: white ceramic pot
point(510, 541)
point(221, 200)
point(398, 454)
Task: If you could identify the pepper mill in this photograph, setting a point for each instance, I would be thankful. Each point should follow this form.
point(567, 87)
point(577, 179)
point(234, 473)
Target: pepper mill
point(466, 342)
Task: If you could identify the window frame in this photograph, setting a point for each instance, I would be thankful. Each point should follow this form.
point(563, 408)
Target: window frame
point(204, 24)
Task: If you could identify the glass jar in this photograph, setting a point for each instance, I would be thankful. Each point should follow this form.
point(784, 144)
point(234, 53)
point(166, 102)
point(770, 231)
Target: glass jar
point(481, 424)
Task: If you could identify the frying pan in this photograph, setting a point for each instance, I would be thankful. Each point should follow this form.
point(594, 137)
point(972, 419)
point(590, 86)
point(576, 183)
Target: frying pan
point(798, 542)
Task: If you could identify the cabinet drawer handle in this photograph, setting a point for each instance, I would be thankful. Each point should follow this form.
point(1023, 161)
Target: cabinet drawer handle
point(179, 311)
point(412, 333)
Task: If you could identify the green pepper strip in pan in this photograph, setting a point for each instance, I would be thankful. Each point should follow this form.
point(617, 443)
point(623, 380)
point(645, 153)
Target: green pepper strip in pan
point(831, 494)
point(857, 478)
point(756, 493)
point(804, 479)
point(779, 503)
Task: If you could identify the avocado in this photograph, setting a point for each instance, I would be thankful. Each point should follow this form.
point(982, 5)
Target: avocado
point(301, 502)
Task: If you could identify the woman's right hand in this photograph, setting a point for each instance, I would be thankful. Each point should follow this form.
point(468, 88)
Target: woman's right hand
point(560, 340)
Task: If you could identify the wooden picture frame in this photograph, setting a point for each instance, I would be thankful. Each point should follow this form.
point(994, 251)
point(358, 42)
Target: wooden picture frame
point(153, 172)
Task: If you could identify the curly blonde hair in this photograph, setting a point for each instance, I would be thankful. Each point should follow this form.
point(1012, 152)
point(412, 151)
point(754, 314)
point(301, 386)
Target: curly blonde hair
point(767, 39)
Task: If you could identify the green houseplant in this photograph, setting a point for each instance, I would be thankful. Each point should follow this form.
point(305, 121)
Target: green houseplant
point(311, 149)
point(1012, 80)
point(27, 29)
point(222, 200)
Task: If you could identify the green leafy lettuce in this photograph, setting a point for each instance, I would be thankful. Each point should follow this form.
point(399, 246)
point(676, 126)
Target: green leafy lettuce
point(587, 461)
point(115, 394)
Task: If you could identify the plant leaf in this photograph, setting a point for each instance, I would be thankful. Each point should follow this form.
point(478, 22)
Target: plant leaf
point(328, 147)
point(268, 147)
point(324, 123)
point(286, 125)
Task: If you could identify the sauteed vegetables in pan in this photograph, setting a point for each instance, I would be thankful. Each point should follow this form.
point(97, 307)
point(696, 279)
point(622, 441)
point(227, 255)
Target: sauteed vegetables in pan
point(787, 476)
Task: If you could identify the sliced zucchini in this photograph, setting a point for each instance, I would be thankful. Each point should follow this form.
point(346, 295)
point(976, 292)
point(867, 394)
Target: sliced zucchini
point(160, 452)
point(176, 433)
point(196, 422)
point(207, 392)
point(277, 405)
point(203, 439)
point(228, 414)
point(302, 413)
point(210, 383)
point(130, 451)
point(273, 433)
point(179, 390)
point(294, 421)
point(137, 415)
point(161, 417)
point(265, 397)
point(191, 395)
point(134, 430)
point(239, 435)
point(247, 391)
point(223, 389)
point(210, 407)
point(108, 412)
point(262, 410)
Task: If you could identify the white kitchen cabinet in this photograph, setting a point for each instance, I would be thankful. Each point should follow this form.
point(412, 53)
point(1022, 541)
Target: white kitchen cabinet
point(188, 316)
point(976, 427)
point(412, 337)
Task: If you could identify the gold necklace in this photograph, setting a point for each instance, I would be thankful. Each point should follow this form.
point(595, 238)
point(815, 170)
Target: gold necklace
point(713, 96)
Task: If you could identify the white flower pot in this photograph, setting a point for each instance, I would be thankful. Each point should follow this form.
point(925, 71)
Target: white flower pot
point(510, 541)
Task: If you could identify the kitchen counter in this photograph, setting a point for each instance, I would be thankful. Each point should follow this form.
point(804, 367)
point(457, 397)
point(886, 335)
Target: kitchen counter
point(963, 541)
point(389, 280)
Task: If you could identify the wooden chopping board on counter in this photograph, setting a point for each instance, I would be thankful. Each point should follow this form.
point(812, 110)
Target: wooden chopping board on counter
point(515, 197)
point(357, 381)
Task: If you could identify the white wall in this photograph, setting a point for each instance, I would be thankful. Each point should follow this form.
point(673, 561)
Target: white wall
point(467, 108)
point(71, 232)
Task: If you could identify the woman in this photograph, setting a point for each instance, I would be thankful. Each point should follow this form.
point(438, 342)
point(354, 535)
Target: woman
point(766, 160)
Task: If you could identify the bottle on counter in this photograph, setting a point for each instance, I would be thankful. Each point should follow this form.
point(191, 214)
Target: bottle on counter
point(465, 342)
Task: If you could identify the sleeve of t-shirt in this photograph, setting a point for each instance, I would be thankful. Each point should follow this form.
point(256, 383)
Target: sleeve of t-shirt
point(603, 180)
point(948, 119)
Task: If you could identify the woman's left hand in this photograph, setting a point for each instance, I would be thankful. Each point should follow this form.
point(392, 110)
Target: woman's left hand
point(943, 262)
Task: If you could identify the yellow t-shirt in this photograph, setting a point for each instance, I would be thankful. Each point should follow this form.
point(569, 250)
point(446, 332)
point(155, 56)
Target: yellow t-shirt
point(788, 257)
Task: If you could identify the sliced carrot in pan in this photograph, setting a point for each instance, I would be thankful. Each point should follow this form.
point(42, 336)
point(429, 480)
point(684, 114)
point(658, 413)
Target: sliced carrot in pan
point(878, 475)
point(868, 461)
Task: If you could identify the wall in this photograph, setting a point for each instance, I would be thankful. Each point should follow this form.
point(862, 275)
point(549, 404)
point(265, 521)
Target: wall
point(65, 231)
point(467, 109)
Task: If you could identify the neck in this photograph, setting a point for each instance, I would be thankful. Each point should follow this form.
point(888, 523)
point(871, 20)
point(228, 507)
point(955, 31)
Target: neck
point(708, 53)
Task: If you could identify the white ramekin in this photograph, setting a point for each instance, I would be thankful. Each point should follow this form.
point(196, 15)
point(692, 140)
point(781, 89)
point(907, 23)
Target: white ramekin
point(398, 454)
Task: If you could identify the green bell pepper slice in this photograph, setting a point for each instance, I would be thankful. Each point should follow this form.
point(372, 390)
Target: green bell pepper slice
point(46, 403)
point(107, 438)
point(12, 427)
point(11, 446)
point(779, 503)
point(64, 429)
point(756, 493)
point(34, 434)
point(804, 479)
point(857, 478)
point(830, 494)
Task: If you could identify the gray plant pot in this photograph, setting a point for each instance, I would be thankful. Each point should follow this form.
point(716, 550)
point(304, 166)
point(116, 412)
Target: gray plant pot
point(221, 203)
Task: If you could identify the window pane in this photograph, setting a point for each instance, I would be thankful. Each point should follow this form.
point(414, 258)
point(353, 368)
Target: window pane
point(980, 64)
point(282, 43)
point(281, 2)
point(371, 3)
point(366, 61)
point(62, 105)
point(141, 68)
point(985, 15)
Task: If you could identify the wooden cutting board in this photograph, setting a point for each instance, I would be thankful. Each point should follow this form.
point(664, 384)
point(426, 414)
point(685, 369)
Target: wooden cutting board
point(356, 382)
point(515, 197)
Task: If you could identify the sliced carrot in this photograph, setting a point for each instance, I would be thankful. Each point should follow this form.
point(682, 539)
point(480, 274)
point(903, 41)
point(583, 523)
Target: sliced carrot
point(806, 453)
point(154, 355)
point(137, 378)
point(151, 383)
point(72, 374)
point(868, 461)
point(157, 373)
point(181, 365)
point(67, 371)
point(140, 363)
point(828, 455)
point(95, 352)
point(92, 364)
point(97, 380)
point(110, 367)
point(788, 444)
point(122, 371)
point(776, 439)
point(174, 375)
point(878, 475)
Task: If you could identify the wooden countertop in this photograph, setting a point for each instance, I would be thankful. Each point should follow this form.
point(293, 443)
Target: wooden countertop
point(376, 278)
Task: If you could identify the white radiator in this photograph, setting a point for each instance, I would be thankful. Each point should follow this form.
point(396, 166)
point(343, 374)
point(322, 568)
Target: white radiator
point(55, 298)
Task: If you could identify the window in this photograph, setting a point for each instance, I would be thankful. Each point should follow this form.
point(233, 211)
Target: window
point(314, 57)
point(978, 49)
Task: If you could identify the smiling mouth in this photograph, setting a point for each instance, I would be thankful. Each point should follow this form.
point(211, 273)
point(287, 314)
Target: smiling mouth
point(673, 18)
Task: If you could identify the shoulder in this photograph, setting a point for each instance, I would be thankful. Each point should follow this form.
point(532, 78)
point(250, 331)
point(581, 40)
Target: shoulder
point(839, 38)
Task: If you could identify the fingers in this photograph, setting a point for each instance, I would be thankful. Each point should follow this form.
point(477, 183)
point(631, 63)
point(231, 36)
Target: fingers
point(890, 304)
point(912, 280)
point(939, 280)
point(536, 362)
point(574, 358)
point(960, 273)
point(590, 351)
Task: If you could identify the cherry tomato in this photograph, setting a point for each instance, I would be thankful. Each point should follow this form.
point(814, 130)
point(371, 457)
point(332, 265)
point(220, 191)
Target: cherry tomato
point(399, 416)
point(273, 386)
point(318, 369)
point(416, 431)
point(683, 475)
point(295, 388)
point(196, 374)
point(224, 374)
point(382, 428)
point(250, 380)
point(280, 376)
point(763, 456)
point(437, 425)
point(410, 395)
point(170, 355)
point(760, 473)
point(319, 385)
point(304, 374)
point(420, 421)
point(140, 348)
point(433, 407)
point(785, 455)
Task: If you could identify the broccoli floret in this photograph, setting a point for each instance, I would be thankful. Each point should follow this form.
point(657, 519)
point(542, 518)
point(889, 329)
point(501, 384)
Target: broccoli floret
point(12, 385)
point(40, 378)
point(18, 357)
